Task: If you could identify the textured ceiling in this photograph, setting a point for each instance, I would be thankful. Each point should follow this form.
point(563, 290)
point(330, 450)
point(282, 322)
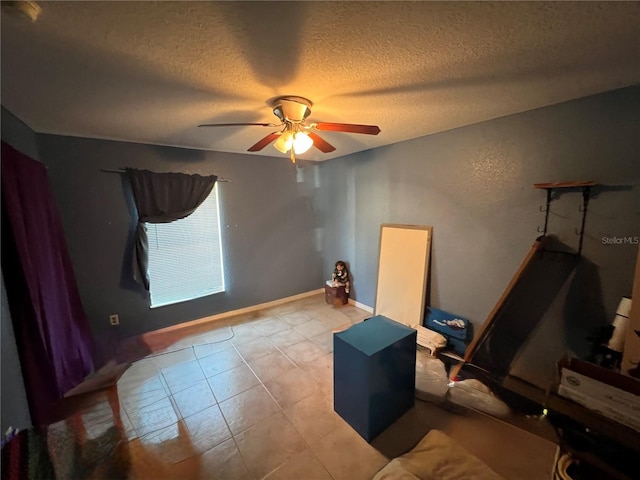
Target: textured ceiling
point(151, 72)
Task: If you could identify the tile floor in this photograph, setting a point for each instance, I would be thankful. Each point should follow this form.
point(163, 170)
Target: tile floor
point(252, 398)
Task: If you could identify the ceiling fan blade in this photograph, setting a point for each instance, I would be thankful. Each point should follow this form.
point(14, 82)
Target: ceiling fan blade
point(264, 142)
point(348, 127)
point(321, 144)
point(238, 124)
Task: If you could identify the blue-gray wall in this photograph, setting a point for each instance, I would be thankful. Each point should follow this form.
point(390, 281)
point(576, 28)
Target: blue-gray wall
point(474, 185)
point(283, 228)
point(13, 399)
point(266, 216)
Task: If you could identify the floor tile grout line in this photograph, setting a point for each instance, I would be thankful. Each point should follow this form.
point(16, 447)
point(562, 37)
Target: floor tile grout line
point(285, 355)
point(171, 395)
point(282, 410)
point(123, 409)
point(277, 348)
point(224, 419)
point(262, 336)
point(280, 407)
point(206, 379)
point(260, 381)
point(244, 461)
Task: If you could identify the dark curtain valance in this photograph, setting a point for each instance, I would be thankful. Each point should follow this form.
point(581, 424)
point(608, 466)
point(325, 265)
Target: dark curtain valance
point(162, 198)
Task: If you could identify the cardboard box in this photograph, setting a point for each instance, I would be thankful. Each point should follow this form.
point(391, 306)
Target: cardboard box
point(603, 408)
point(612, 394)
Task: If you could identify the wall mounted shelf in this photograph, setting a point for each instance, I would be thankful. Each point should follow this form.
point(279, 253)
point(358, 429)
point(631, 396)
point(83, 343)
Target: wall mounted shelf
point(559, 187)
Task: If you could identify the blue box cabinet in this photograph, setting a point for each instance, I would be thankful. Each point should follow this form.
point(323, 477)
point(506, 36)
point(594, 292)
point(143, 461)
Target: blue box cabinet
point(374, 372)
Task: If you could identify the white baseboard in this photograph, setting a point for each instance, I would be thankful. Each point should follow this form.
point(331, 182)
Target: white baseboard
point(233, 313)
point(362, 306)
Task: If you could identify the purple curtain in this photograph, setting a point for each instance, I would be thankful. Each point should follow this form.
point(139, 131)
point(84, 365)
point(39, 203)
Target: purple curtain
point(52, 333)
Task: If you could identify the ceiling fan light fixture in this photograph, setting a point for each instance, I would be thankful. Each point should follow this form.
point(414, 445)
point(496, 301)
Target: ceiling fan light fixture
point(295, 136)
point(294, 109)
point(284, 142)
point(301, 142)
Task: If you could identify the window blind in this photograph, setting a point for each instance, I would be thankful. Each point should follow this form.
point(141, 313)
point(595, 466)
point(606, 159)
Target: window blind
point(185, 256)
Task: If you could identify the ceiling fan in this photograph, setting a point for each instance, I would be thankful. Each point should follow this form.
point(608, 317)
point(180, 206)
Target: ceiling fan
point(296, 136)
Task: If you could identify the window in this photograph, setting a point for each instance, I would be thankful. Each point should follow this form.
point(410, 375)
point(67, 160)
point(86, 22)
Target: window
point(185, 256)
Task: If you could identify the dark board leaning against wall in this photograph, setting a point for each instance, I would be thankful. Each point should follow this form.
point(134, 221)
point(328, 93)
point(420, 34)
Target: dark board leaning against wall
point(554, 294)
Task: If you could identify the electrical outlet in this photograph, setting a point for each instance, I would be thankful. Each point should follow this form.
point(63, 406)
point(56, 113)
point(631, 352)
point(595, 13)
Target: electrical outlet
point(114, 319)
